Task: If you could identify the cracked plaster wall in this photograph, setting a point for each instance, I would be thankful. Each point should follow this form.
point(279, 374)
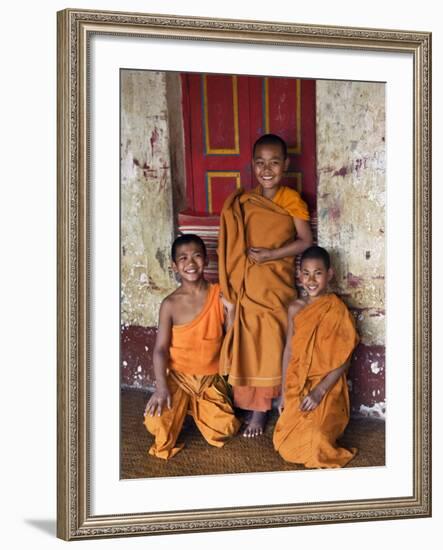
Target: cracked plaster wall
point(351, 197)
point(146, 197)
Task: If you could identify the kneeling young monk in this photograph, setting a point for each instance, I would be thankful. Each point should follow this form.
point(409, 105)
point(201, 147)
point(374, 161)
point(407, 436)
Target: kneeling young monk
point(186, 357)
point(320, 339)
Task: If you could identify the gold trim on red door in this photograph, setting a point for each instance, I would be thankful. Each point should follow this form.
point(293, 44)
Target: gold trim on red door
point(298, 148)
point(209, 149)
point(215, 174)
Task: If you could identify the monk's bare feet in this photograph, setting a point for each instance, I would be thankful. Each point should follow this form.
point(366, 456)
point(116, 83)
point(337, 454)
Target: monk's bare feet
point(256, 424)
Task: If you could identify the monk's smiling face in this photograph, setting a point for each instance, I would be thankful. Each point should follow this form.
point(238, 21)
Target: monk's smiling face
point(269, 165)
point(314, 277)
point(190, 261)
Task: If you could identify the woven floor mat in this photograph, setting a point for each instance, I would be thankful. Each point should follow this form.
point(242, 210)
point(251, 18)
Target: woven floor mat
point(240, 455)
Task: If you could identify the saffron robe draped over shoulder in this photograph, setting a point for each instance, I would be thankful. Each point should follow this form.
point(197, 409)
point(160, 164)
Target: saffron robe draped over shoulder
point(252, 350)
point(195, 386)
point(195, 346)
point(324, 338)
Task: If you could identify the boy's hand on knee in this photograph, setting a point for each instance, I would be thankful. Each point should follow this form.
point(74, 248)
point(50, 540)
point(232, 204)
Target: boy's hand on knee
point(312, 400)
point(157, 402)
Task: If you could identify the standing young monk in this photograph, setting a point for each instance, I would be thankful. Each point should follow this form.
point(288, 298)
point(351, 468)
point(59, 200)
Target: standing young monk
point(260, 233)
point(186, 357)
point(320, 339)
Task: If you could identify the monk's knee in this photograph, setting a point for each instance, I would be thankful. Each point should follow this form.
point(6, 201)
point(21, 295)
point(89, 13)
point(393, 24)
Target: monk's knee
point(153, 424)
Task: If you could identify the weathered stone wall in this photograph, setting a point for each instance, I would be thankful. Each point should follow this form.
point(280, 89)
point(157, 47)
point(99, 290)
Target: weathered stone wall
point(146, 218)
point(351, 204)
point(146, 197)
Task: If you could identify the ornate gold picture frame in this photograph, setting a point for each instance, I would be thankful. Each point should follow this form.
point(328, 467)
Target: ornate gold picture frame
point(76, 516)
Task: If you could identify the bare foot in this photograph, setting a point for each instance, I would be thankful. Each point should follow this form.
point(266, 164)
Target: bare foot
point(256, 424)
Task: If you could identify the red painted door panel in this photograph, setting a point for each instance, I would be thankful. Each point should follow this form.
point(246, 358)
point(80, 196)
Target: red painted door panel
point(224, 115)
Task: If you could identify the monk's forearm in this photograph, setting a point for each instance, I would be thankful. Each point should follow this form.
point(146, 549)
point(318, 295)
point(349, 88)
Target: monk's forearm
point(285, 362)
point(330, 380)
point(161, 360)
point(292, 249)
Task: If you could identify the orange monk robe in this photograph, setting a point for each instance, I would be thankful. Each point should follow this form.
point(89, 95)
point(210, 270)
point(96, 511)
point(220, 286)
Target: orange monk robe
point(252, 351)
point(194, 383)
point(324, 338)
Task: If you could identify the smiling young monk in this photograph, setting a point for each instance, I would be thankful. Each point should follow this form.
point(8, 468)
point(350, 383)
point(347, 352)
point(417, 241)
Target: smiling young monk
point(186, 357)
point(320, 339)
point(260, 233)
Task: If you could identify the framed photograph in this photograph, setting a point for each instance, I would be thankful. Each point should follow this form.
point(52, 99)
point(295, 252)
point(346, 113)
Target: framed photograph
point(156, 119)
